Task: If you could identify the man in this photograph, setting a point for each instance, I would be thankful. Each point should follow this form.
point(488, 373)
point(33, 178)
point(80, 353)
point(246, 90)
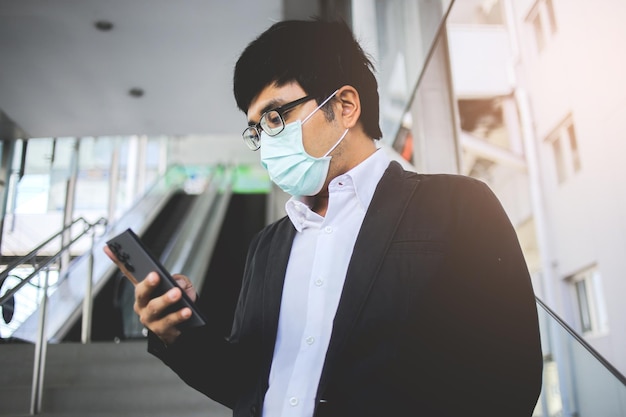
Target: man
point(383, 292)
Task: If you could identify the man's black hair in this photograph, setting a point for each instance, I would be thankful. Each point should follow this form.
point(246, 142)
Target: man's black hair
point(319, 55)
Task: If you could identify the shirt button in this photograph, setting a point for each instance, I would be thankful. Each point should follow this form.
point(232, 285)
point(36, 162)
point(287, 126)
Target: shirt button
point(293, 401)
point(328, 229)
point(319, 282)
point(310, 340)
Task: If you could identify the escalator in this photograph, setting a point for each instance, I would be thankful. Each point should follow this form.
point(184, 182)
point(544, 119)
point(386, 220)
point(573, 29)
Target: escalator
point(113, 315)
point(113, 318)
point(181, 228)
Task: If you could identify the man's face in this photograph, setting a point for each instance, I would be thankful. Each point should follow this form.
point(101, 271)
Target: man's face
point(318, 134)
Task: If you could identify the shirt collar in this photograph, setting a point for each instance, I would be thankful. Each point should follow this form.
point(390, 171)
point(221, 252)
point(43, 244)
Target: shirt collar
point(365, 178)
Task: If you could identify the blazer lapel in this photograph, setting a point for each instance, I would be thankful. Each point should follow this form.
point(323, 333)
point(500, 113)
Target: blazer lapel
point(379, 225)
point(277, 259)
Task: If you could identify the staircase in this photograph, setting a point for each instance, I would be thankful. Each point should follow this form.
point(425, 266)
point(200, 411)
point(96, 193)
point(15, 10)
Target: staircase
point(97, 380)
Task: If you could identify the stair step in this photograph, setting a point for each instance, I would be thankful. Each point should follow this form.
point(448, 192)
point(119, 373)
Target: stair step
point(150, 397)
point(14, 400)
point(99, 379)
point(178, 413)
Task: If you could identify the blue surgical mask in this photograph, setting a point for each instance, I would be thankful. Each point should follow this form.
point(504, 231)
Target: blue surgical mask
point(289, 165)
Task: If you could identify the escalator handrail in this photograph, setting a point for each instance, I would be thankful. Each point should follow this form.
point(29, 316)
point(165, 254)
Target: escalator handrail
point(197, 227)
point(173, 256)
point(195, 267)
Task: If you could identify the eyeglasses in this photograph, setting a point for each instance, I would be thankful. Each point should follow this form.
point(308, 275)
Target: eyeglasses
point(272, 123)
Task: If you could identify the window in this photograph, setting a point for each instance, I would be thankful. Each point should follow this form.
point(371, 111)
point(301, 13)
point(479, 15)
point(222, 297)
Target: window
point(542, 19)
point(573, 144)
point(583, 305)
point(549, 7)
point(538, 28)
point(559, 159)
point(564, 147)
point(589, 297)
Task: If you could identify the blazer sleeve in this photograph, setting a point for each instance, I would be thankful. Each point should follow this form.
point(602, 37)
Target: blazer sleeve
point(487, 330)
point(205, 358)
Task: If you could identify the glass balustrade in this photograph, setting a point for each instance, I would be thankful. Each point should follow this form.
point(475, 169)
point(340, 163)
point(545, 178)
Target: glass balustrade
point(576, 382)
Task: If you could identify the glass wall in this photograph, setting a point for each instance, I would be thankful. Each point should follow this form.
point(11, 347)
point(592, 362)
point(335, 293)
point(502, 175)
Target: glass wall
point(97, 177)
point(399, 35)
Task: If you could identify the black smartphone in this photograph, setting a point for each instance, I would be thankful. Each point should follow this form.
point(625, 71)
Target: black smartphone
point(135, 261)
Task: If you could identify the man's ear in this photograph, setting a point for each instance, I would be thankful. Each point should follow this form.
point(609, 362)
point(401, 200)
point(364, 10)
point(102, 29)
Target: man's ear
point(350, 102)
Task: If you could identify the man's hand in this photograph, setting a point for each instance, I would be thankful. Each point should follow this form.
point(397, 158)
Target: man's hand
point(150, 309)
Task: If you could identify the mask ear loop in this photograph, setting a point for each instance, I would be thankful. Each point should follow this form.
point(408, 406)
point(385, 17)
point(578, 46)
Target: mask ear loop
point(316, 109)
point(338, 142)
point(319, 107)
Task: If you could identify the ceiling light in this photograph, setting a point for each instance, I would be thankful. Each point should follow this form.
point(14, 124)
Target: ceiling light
point(103, 25)
point(136, 92)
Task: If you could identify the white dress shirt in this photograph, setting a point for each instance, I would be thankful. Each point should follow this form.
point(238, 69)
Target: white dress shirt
point(315, 275)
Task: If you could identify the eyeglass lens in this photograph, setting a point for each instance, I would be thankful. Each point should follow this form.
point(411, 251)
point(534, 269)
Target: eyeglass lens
point(251, 138)
point(271, 123)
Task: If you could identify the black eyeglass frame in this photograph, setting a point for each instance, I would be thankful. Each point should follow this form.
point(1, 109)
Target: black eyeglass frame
point(254, 141)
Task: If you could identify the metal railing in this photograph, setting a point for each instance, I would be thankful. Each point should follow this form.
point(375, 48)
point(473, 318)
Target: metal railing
point(7, 300)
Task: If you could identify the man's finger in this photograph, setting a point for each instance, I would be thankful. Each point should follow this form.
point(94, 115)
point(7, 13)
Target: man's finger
point(184, 283)
point(165, 328)
point(153, 310)
point(145, 289)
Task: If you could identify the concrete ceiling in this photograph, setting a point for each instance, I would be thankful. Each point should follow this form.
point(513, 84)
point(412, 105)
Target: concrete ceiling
point(60, 76)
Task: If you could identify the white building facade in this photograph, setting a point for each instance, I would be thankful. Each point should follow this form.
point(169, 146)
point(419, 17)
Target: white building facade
point(542, 100)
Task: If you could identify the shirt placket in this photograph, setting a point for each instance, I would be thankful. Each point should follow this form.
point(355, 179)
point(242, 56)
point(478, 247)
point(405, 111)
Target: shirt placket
point(313, 345)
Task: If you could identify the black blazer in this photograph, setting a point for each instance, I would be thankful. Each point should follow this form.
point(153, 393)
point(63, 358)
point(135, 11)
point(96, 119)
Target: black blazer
point(437, 315)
